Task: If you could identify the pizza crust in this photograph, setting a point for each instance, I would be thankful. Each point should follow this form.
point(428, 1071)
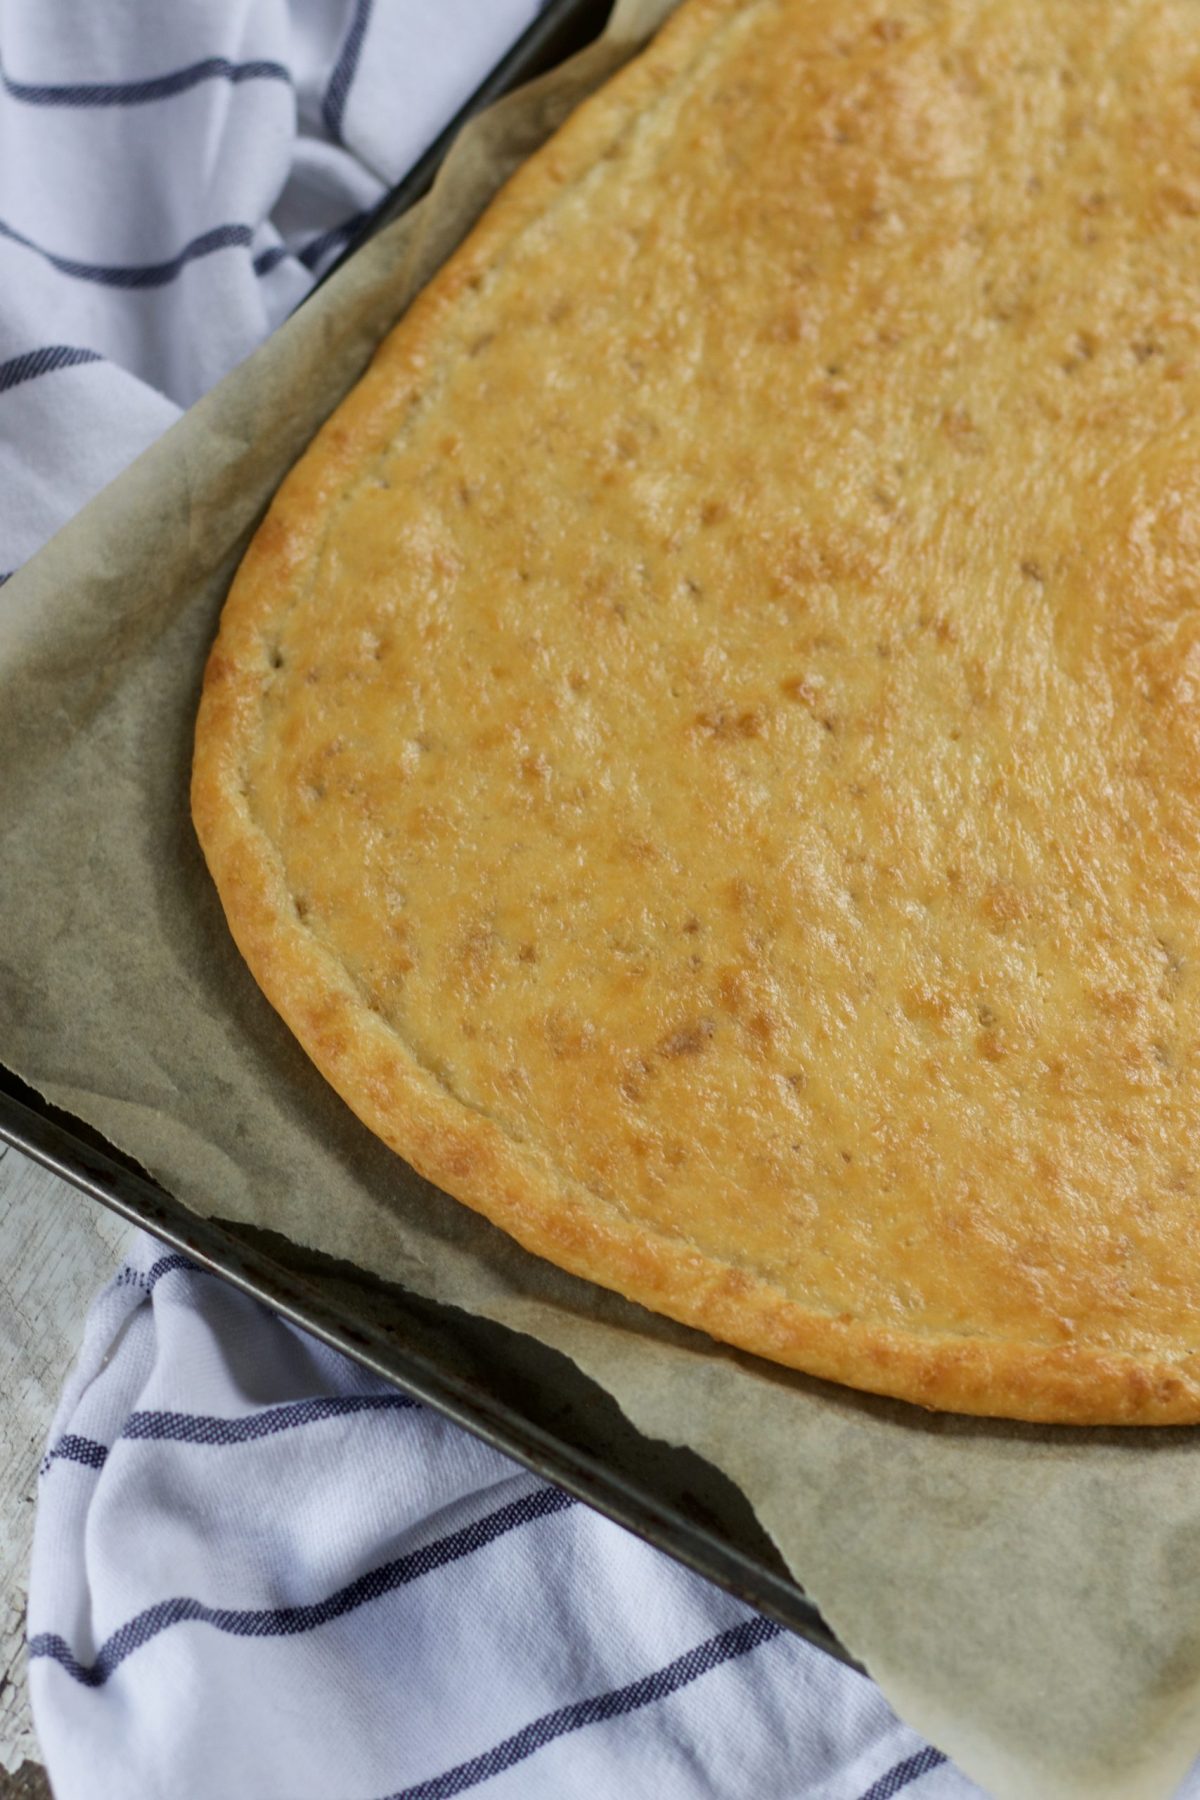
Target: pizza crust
point(505, 1172)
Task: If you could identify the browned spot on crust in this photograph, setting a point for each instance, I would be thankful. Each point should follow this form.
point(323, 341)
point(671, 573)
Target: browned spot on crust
point(688, 1040)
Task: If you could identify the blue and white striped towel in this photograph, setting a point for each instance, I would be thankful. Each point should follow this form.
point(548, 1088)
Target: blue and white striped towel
point(172, 178)
point(256, 1571)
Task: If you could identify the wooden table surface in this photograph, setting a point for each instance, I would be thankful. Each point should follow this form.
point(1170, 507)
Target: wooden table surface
point(29, 1783)
point(56, 1249)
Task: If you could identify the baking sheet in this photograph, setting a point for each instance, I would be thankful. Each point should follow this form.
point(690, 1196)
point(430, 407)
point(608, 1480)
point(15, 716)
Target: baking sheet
point(525, 1400)
point(1027, 1597)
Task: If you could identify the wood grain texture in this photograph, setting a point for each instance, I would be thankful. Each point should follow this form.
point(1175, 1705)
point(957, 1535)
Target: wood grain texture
point(56, 1249)
point(27, 1783)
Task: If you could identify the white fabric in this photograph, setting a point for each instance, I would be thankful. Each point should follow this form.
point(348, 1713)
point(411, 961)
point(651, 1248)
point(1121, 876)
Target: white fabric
point(171, 177)
point(455, 1624)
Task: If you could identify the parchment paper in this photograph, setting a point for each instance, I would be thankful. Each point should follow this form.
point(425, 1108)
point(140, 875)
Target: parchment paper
point(1028, 1598)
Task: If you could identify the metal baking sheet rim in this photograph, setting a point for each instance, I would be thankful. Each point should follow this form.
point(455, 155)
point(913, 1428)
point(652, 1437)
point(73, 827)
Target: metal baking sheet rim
point(55, 1141)
point(38, 1134)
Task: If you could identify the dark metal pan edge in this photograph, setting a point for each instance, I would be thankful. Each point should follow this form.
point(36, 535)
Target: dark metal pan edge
point(98, 1174)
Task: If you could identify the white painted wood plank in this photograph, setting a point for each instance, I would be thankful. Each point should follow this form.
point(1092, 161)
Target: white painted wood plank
point(56, 1248)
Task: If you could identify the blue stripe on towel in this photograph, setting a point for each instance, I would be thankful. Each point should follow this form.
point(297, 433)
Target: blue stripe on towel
point(72, 1448)
point(903, 1773)
point(594, 1711)
point(218, 1433)
point(138, 93)
point(289, 1621)
point(197, 1428)
point(333, 107)
point(43, 362)
point(138, 275)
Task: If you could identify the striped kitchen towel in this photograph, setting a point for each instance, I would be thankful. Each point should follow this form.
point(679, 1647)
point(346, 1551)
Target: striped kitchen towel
point(260, 1574)
point(172, 179)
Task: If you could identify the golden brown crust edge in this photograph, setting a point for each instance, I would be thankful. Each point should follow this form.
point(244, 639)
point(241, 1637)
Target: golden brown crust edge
point(383, 1083)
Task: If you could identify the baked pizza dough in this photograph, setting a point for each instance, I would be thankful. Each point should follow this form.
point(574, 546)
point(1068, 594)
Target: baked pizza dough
point(704, 751)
